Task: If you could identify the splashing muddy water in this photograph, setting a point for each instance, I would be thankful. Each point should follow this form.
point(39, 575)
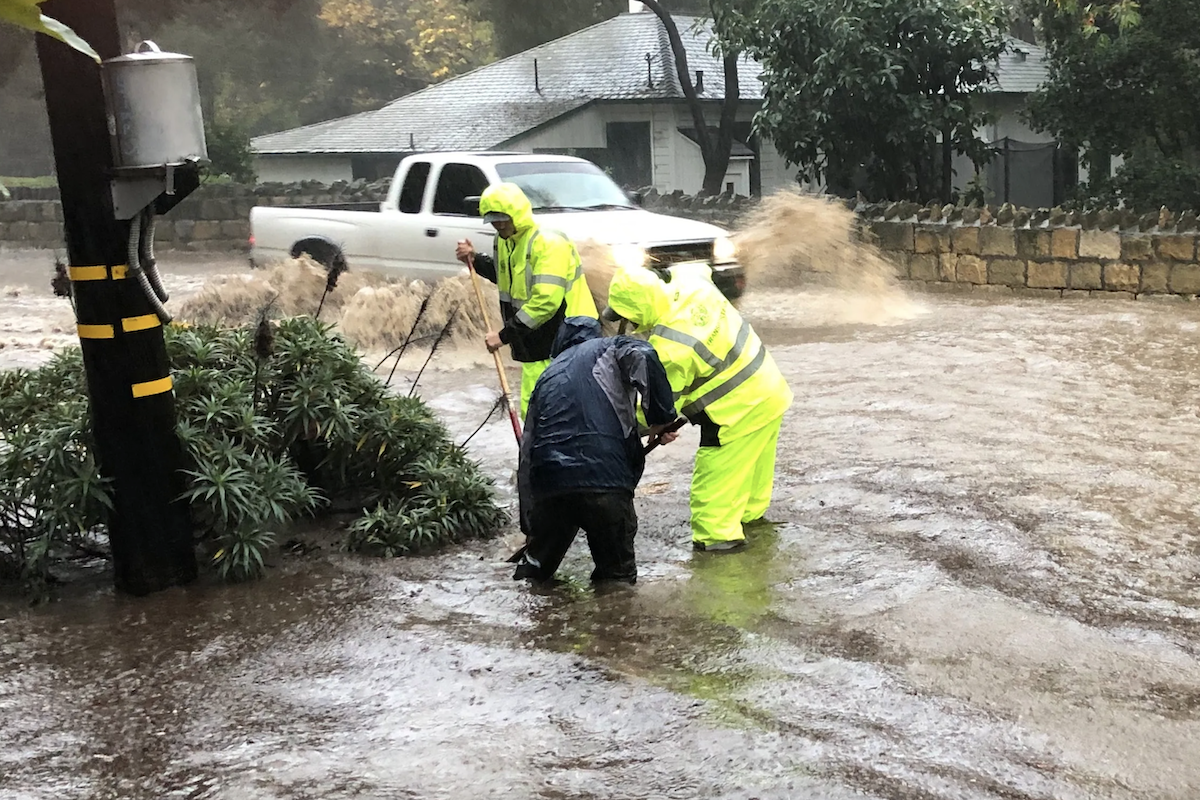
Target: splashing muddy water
point(806, 262)
point(373, 311)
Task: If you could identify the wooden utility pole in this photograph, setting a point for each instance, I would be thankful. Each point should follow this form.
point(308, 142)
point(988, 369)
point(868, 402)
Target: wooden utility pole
point(128, 376)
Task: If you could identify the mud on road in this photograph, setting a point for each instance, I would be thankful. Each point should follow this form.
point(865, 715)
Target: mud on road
point(981, 583)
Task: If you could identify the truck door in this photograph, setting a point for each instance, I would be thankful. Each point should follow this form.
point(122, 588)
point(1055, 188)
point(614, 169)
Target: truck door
point(448, 222)
point(401, 235)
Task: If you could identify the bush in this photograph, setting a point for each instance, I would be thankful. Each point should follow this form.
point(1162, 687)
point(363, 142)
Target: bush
point(1147, 181)
point(51, 493)
point(230, 152)
point(277, 422)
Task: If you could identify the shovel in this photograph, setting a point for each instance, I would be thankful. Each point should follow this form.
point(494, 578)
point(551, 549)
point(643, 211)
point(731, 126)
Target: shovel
point(653, 443)
point(512, 412)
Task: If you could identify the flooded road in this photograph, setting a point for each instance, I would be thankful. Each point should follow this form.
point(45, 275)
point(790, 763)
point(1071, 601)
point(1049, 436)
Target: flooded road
point(981, 583)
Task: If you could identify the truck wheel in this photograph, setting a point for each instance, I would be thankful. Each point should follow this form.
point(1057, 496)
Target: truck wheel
point(322, 251)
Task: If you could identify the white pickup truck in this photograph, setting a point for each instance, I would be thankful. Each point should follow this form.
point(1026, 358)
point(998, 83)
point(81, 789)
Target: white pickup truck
point(428, 209)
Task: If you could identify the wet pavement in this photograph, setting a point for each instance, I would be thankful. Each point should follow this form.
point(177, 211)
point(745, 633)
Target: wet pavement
point(981, 583)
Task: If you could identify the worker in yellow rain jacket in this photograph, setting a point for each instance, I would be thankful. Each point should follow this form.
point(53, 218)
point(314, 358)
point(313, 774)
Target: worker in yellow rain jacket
point(540, 278)
point(725, 381)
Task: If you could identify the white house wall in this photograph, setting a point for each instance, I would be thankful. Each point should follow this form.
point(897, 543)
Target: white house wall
point(1010, 124)
point(292, 169)
point(676, 160)
point(581, 129)
point(690, 163)
point(774, 171)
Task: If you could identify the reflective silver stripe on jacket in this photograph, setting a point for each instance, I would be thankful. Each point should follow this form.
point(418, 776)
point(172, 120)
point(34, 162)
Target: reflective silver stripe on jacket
point(529, 262)
point(552, 280)
point(687, 340)
point(514, 302)
point(706, 355)
point(735, 352)
point(741, 376)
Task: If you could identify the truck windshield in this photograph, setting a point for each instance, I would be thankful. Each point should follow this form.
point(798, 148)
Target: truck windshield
point(564, 185)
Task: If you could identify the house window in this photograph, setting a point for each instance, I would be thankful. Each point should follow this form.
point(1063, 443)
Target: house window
point(456, 183)
point(729, 187)
point(413, 190)
point(373, 168)
point(629, 157)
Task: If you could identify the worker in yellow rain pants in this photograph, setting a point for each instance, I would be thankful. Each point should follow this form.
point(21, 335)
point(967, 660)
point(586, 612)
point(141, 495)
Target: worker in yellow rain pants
point(724, 380)
point(540, 278)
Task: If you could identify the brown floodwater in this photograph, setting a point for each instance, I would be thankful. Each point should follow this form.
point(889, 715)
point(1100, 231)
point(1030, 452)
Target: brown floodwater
point(981, 583)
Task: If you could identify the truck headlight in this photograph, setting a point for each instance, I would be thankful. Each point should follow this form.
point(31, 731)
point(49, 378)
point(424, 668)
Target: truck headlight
point(724, 250)
point(628, 256)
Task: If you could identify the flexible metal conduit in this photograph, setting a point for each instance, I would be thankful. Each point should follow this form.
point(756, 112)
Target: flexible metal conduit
point(149, 262)
point(135, 267)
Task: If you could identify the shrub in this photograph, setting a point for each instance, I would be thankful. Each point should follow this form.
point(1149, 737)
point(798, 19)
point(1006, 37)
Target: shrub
point(278, 422)
point(229, 151)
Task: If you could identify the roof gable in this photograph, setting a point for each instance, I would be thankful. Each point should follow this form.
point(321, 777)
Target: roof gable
point(626, 58)
point(497, 102)
point(1022, 68)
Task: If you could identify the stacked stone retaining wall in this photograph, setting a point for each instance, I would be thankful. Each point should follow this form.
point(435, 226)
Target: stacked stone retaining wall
point(1006, 250)
point(1109, 254)
point(214, 217)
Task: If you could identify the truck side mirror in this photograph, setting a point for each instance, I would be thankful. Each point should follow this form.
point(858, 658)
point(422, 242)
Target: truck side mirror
point(637, 198)
point(471, 206)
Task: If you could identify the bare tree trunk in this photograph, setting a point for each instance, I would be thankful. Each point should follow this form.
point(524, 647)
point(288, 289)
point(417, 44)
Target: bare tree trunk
point(715, 152)
point(716, 162)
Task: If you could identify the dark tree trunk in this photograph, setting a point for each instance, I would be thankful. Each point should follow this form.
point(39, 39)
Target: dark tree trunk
point(714, 150)
point(716, 162)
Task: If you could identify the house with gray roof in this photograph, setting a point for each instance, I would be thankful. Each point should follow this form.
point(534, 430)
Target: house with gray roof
point(608, 93)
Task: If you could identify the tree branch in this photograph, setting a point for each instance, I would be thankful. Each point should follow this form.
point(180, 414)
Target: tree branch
point(729, 109)
point(685, 75)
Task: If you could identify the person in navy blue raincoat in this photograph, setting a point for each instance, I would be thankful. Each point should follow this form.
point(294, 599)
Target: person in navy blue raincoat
point(581, 454)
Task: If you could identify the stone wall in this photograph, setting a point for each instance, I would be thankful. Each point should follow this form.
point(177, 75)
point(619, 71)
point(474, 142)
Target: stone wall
point(1042, 252)
point(214, 217)
point(1006, 250)
point(723, 210)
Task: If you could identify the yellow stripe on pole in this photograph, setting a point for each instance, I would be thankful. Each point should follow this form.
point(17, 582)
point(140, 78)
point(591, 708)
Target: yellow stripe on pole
point(150, 388)
point(98, 273)
point(142, 323)
point(96, 331)
point(88, 273)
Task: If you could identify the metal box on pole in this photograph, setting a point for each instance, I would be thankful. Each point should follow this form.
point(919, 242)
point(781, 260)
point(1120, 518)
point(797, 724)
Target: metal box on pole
point(155, 125)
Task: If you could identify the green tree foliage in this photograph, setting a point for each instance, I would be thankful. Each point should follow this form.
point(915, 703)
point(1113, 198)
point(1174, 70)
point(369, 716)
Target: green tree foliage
point(528, 23)
point(277, 422)
point(229, 151)
point(258, 67)
point(269, 66)
point(858, 92)
point(276, 64)
point(1125, 80)
point(386, 48)
point(520, 26)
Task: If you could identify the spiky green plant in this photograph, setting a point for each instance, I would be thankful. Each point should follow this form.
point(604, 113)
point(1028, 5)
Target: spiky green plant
point(270, 435)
